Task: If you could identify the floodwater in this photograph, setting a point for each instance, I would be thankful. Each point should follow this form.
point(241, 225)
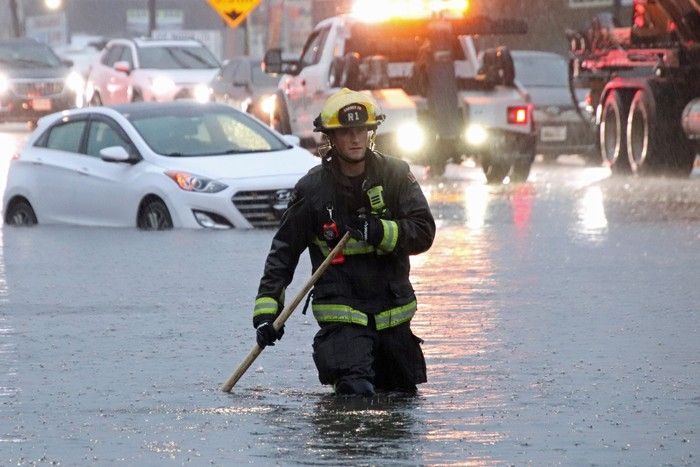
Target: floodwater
point(560, 320)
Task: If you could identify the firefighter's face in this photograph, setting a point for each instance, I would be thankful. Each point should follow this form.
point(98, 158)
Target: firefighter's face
point(351, 142)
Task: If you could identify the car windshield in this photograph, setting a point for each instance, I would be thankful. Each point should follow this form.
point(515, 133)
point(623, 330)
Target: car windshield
point(28, 56)
point(540, 71)
point(177, 57)
point(201, 131)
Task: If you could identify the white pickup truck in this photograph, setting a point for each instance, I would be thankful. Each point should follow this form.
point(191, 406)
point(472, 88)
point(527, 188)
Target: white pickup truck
point(443, 100)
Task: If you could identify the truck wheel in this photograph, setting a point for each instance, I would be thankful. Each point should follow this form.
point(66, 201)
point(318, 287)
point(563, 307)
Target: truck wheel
point(521, 169)
point(655, 140)
point(495, 171)
point(613, 143)
point(436, 168)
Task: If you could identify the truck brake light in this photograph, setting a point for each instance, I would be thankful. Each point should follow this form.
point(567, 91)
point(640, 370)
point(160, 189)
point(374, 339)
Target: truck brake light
point(518, 115)
point(640, 11)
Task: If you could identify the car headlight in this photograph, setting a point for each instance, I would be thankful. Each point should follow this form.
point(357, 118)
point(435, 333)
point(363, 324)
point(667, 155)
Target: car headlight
point(410, 137)
point(162, 85)
point(268, 103)
point(202, 93)
point(4, 83)
point(196, 183)
point(476, 135)
point(75, 82)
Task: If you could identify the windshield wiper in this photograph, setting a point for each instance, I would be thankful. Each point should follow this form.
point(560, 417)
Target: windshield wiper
point(171, 52)
point(197, 58)
point(29, 61)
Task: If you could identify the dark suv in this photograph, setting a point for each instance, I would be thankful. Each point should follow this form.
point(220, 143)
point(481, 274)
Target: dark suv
point(35, 82)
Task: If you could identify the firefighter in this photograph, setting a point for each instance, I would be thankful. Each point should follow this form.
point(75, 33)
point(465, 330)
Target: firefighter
point(364, 302)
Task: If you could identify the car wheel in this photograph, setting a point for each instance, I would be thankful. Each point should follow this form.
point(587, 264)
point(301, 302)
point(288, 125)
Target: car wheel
point(20, 213)
point(154, 215)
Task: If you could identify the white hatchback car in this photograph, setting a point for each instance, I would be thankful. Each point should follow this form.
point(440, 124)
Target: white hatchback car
point(131, 70)
point(154, 166)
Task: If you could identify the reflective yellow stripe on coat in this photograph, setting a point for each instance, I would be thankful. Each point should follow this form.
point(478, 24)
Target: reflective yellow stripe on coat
point(333, 313)
point(390, 236)
point(265, 306)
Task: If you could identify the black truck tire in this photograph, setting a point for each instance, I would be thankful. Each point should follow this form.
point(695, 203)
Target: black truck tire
point(655, 140)
point(495, 172)
point(522, 167)
point(613, 143)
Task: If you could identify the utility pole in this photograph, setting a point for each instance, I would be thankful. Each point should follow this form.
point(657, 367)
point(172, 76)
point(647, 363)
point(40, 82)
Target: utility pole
point(15, 18)
point(151, 17)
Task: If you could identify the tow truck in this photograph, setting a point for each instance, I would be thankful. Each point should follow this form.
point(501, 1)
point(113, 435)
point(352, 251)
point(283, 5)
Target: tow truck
point(645, 86)
point(443, 100)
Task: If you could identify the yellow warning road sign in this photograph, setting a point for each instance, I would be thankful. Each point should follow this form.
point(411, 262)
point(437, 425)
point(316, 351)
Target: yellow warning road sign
point(233, 11)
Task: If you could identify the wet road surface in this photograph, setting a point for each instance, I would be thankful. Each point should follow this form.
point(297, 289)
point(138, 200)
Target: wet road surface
point(560, 320)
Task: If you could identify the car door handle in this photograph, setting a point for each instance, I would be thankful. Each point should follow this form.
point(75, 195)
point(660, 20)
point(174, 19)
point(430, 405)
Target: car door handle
point(83, 171)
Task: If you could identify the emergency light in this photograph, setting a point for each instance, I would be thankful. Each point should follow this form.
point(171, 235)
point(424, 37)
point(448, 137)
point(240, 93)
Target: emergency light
point(373, 11)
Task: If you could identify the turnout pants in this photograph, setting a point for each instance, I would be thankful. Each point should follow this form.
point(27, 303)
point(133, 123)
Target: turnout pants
point(391, 359)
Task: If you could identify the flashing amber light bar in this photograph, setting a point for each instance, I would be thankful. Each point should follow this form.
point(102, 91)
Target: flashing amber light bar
point(383, 10)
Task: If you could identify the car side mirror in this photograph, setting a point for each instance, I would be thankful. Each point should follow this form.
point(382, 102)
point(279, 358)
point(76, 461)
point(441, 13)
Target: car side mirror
point(67, 63)
point(115, 154)
point(122, 67)
point(274, 64)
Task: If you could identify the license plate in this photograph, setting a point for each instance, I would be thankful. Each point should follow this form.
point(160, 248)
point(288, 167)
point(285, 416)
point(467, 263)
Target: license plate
point(553, 133)
point(41, 104)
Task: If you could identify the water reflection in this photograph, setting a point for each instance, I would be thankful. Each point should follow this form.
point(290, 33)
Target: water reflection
point(359, 429)
point(592, 223)
point(458, 202)
point(8, 357)
point(521, 202)
point(456, 318)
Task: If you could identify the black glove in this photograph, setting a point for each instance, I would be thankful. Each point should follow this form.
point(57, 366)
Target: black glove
point(265, 334)
point(367, 228)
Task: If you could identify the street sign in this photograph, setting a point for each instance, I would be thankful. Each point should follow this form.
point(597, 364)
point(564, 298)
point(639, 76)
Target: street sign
point(233, 11)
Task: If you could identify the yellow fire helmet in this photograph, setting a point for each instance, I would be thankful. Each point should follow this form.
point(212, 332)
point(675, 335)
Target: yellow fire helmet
point(349, 109)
